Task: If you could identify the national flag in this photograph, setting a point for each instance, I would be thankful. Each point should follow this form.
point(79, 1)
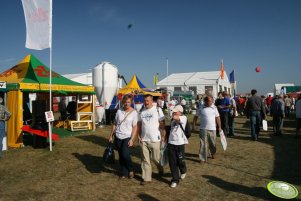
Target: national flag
point(38, 19)
point(232, 77)
point(222, 70)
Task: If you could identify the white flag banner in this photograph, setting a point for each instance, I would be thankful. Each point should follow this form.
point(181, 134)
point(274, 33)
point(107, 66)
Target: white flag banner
point(38, 18)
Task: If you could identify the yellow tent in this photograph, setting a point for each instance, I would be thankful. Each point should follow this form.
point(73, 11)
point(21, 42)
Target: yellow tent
point(135, 86)
point(31, 75)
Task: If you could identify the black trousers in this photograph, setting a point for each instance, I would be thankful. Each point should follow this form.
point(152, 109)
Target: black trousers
point(176, 158)
point(225, 122)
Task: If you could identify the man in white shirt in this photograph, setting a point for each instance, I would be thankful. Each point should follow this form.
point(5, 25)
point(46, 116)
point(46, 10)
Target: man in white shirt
point(209, 117)
point(151, 121)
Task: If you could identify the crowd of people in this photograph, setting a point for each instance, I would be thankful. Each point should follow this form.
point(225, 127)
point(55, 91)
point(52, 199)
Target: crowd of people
point(148, 126)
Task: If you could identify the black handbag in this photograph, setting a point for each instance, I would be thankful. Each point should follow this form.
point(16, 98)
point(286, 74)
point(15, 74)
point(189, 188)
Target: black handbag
point(108, 155)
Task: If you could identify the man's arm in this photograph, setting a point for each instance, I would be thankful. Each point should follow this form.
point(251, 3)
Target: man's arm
point(218, 122)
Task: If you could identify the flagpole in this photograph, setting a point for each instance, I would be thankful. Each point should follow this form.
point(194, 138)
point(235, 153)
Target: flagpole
point(50, 74)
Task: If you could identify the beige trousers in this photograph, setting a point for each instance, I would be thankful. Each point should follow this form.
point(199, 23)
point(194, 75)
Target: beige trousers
point(150, 152)
point(208, 142)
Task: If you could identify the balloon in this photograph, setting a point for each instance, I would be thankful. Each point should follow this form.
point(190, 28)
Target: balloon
point(257, 69)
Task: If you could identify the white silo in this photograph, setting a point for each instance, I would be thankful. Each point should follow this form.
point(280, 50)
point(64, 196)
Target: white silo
point(105, 81)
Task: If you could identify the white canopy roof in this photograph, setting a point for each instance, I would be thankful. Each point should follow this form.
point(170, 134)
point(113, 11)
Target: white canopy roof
point(194, 78)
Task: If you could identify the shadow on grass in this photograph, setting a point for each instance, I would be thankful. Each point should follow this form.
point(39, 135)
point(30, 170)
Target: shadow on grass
point(95, 164)
point(146, 197)
point(258, 192)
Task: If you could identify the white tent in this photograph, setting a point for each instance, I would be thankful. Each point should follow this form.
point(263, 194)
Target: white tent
point(198, 82)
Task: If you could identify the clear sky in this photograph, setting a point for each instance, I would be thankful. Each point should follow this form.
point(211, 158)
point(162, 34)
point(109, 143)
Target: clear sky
point(193, 34)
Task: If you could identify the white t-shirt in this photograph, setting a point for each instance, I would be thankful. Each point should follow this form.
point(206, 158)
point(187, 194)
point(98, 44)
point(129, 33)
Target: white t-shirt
point(298, 109)
point(124, 127)
point(150, 123)
point(208, 115)
point(177, 136)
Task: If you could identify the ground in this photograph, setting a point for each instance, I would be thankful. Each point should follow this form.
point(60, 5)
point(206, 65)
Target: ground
point(74, 170)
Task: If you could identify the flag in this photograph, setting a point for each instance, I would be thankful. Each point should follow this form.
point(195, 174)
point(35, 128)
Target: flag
point(38, 19)
point(156, 79)
point(222, 70)
point(232, 77)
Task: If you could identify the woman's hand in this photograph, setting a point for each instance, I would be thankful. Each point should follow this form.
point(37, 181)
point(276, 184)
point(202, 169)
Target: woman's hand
point(111, 138)
point(131, 143)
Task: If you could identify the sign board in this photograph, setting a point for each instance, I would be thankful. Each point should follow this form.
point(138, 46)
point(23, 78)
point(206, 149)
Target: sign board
point(2, 85)
point(49, 116)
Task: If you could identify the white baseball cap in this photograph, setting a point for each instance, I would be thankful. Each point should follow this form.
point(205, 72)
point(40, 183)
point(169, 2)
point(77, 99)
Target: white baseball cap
point(177, 108)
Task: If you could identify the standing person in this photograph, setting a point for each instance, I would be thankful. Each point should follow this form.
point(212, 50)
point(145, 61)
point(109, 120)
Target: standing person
point(256, 112)
point(72, 108)
point(288, 105)
point(224, 112)
point(210, 121)
point(298, 115)
point(278, 113)
point(232, 113)
point(176, 145)
point(4, 116)
point(268, 102)
point(125, 129)
point(151, 121)
point(183, 104)
point(63, 108)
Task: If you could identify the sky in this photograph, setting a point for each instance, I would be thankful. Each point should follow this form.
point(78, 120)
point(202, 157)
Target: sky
point(195, 35)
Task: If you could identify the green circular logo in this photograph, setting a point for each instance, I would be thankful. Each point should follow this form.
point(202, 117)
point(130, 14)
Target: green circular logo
point(282, 189)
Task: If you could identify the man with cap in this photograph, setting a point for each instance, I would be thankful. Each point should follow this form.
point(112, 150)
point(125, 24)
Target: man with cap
point(176, 145)
point(209, 118)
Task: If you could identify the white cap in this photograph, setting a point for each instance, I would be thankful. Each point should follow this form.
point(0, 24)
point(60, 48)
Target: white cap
point(177, 108)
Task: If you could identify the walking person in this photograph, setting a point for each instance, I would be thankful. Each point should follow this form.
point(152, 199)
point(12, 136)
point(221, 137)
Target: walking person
point(63, 109)
point(232, 114)
point(288, 105)
point(256, 112)
point(151, 121)
point(298, 115)
point(224, 112)
point(176, 146)
point(125, 129)
point(278, 113)
point(4, 116)
point(210, 121)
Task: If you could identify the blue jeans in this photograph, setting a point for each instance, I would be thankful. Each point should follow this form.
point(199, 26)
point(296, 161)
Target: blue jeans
point(125, 160)
point(2, 133)
point(277, 124)
point(255, 119)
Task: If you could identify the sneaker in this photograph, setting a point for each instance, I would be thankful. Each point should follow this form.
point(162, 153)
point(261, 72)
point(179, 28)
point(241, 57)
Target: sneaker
point(173, 185)
point(131, 175)
point(183, 176)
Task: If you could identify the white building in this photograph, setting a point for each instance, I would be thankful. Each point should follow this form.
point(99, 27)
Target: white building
point(277, 90)
point(198, 82)
point(84, 78)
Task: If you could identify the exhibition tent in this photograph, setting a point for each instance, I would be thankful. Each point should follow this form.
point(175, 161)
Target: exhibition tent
point(31, 75)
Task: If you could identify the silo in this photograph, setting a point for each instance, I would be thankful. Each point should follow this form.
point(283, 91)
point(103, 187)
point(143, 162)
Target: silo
point(105, 81)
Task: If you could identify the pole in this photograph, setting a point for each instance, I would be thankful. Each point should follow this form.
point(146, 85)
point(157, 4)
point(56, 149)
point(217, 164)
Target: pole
point(167, 74)
point(50, 76)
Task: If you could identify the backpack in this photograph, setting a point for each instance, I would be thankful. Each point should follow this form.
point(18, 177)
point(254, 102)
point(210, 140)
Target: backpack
point(187, 130)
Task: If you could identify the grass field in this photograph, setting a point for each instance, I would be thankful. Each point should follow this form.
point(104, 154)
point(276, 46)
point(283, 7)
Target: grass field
point(75, 170)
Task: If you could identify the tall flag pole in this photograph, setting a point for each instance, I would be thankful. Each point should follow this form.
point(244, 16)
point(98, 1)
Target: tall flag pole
point(222, 70)
point(38, 19)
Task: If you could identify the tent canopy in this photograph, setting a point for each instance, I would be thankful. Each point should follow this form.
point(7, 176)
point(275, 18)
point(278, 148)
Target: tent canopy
point(135, 86)
point(32, 75)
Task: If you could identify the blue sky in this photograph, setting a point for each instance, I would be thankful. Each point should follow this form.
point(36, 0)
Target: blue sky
point(194, 35)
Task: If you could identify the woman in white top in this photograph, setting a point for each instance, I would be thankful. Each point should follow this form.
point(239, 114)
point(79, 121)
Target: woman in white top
point(176, 145)
point(125, 129)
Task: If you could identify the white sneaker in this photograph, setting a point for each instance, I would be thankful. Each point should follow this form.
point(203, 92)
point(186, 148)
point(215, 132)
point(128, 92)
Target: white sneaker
point(173, 185)
point(183, 176)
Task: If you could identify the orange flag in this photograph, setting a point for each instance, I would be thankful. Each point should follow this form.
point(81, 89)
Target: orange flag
point(222, 70)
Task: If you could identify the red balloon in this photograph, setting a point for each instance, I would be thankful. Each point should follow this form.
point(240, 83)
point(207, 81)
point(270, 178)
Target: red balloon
point(257, 69)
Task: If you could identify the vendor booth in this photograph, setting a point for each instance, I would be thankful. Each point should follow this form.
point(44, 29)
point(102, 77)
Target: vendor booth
point(30, 77)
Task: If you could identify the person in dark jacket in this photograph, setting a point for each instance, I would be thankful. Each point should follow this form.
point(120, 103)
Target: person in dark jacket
point(278, 111)
point(256, 112)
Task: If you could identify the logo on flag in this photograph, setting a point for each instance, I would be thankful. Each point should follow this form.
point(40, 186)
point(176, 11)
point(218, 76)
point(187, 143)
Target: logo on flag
point(38, 19)
point(222, 70)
